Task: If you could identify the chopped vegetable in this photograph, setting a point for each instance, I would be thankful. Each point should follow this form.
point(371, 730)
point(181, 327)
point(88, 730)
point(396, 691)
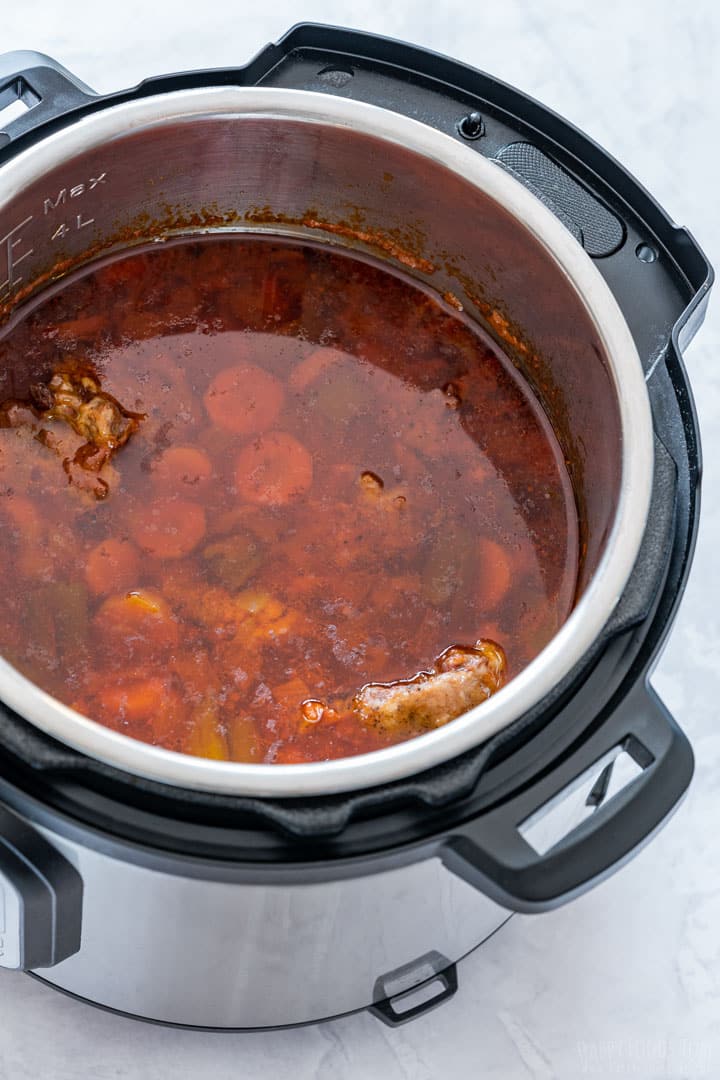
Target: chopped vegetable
point(312, 366)
point(180, 468)
point(112, 565)
point(137, 621)
point(495, 574)
point(244, 399)
point(68, 600)
point(205, 738)
point(140, 699)
point(243, 739)
point(233, 561)
point(169, 528)
point(273, 470)
point(247, 485)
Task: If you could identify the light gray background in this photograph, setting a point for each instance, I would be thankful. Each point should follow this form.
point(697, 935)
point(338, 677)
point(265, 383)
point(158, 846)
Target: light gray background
point(626, 981)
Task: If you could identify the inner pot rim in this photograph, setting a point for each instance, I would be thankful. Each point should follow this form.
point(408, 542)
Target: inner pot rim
point(603, 590)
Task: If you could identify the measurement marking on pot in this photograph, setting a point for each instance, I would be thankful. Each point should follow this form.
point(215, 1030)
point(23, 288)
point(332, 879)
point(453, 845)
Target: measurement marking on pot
point(63, 229)
point(73, 192)
point(8, 244)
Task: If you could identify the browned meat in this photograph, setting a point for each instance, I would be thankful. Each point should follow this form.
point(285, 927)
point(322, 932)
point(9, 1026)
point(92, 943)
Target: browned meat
point(461, 678)
point(99, 425)
point(78, 399)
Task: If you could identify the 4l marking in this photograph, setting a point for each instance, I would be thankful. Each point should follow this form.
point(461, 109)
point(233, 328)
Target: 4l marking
point(64, 229)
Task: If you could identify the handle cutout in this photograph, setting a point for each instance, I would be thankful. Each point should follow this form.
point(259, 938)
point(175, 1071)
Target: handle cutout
point(16, 99)
point(411, 999)
point(597, 786)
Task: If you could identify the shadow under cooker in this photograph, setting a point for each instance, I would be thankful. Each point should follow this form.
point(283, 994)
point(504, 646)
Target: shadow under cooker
point(338, 872)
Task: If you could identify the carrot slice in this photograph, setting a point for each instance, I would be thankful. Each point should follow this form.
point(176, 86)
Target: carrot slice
point(138, 620)
point(170, 528)
point(244, 399)
point(181, 468)
point(274, 469)
point(312, 366)
point(136, 700)
point(495, 573)
point(24, 517)
point(112, 565)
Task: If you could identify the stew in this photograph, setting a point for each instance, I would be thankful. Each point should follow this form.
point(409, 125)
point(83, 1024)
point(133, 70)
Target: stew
point(269, 501)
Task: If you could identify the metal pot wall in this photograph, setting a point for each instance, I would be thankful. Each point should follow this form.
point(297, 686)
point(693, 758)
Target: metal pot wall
point(289, 161)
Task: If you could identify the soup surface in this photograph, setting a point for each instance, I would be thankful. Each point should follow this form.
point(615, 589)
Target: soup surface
point(271, 502)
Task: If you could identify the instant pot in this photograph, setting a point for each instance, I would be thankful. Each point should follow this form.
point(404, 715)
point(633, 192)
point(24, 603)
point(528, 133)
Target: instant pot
point(224, 895)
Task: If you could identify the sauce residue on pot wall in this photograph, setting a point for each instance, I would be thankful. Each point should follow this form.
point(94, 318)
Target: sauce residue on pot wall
point(340, 518)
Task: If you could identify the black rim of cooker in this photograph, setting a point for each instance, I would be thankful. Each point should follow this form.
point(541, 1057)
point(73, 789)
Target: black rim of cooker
point(661, 280)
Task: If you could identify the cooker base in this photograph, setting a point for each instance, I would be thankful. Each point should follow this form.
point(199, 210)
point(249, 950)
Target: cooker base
point(384, 1009)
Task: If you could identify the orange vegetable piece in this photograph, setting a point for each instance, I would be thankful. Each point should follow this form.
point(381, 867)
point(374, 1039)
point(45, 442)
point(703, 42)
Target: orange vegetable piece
point(20, 522)
point(311, 366)
point(244, 399)
point(170, 528)
point(140, 619)
point(168, 720)
point(112, 565)
point(273, 469)
point(495, 573)
point(291, 755)
point(182, 468)
point(136, 700)
point(23, 515)
point(206, 738)
point(206, 743)
point(139, 702)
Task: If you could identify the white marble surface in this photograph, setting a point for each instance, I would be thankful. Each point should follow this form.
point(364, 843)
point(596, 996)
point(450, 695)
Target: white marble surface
point(626, 981)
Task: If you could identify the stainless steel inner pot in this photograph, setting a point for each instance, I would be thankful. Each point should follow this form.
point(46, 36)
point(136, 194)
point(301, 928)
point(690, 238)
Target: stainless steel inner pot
point(301, 163)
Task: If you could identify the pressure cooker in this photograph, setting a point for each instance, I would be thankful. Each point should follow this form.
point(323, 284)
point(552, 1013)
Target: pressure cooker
point(229, 895)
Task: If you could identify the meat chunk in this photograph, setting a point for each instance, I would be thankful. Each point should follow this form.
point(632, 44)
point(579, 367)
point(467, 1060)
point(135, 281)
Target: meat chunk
point(461, 678)
point(78, 399)
point(81, 424)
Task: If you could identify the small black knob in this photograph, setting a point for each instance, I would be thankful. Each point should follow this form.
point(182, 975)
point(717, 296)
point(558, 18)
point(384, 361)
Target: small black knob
point(472, 126)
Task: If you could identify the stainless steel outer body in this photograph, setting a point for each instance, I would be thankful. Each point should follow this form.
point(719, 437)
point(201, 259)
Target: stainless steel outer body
point(347, 172)
point(214, 945)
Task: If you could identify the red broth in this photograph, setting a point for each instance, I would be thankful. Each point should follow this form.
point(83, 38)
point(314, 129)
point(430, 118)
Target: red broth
point(333, 478)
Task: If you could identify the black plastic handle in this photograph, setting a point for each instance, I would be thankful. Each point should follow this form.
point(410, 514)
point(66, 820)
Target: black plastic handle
point(491, 853)
point(40, 898)
point(45, 87)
